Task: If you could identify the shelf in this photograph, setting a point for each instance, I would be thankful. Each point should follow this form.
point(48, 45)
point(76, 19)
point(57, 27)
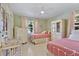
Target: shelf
point(9, 50)
point(9, 47)
point(76, 25)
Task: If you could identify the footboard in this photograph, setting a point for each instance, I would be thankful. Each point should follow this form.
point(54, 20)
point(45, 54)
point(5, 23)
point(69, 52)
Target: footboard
point(61, 51)
point(40, 38)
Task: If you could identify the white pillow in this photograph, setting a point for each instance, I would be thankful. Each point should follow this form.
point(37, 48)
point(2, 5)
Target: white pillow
point(74, 35)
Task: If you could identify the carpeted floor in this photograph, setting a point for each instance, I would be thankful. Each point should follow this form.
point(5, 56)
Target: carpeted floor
point(30, 49)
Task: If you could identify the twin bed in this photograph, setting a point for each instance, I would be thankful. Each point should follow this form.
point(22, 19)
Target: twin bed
point(60, 47)
point(63, 47)
point(40, 38)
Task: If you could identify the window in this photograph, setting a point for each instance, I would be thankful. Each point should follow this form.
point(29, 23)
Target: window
point(76, 23)
point(77, 18)
point(76, 27)
point(30, 27)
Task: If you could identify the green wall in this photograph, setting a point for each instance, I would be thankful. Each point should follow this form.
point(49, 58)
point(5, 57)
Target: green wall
point(45, 24)
point(17, 20)
point(49, 24)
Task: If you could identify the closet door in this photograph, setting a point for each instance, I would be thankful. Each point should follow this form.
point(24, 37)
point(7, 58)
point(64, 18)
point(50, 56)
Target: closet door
point(53, 27)
point(56, 29)
point(58, 32)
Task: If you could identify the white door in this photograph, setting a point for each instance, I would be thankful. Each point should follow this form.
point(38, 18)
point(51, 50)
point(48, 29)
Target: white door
point(56, 30)
point(53, 27)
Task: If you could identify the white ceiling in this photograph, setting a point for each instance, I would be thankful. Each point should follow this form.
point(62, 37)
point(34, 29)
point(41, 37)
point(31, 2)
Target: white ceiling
point(51, 9)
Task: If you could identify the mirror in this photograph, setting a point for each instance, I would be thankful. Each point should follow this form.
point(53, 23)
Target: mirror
point(58, 27)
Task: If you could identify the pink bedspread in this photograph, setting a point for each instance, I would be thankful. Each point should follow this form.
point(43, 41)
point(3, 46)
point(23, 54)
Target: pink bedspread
point(64, 45)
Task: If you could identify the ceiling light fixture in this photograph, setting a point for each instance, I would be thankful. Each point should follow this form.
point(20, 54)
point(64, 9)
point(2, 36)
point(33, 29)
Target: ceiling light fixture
point(75, 20)
point(42, 12)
